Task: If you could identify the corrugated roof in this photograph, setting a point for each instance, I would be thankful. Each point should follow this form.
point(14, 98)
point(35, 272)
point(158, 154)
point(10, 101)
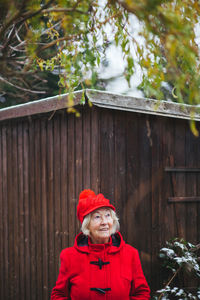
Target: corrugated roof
point(103, 99)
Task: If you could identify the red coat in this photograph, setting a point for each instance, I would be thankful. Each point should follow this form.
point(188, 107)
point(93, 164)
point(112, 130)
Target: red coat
point(109, 271)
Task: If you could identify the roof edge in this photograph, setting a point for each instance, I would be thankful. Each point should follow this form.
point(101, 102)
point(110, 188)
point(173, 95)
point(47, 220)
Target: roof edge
point(39, 106)
point(143, 105)
point(106, 100)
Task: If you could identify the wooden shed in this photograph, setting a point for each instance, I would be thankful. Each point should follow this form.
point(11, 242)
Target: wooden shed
point(138, 153)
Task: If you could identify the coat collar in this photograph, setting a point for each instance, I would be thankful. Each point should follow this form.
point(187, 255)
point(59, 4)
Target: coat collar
point(83, 244)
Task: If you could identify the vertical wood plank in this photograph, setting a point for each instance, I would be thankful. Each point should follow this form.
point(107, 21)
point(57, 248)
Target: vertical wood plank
point(57, 206)
point(44, 232)
point(198, 185)
point(20, 168)
point(107, 157)
point(155, 136)
point(132, 178)
point(2, 263)
point(71, 179)
point(38, 207)
point(26, 193)
point(86, 147)
point(191, 189)
point(50, 188)
point(191, 217)
point(63, 178)
point(79, 168)
point(11, 196)
point(95, 150)
point(5, 211)
point(144, 205)
point(15, 207)
point(168, 211)
point(120, 168)
point(179, 182)
point(33, 221)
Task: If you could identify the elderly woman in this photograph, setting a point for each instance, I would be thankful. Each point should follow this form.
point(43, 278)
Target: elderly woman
point(100, 265)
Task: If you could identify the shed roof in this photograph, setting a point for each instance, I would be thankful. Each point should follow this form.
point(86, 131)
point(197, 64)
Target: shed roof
point(106, 100)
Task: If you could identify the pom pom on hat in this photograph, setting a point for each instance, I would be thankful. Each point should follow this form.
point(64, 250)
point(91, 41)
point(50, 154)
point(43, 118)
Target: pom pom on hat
point(86, 193)
point(89, 201)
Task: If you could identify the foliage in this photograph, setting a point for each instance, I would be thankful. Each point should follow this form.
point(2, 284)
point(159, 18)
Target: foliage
point(182, 265)
point(69, 38)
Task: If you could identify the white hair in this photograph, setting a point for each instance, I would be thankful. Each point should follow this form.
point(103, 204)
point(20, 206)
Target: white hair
point(87, 219)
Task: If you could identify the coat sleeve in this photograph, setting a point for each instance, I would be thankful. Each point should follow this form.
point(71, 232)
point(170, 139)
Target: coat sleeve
point(140, 289)
point(61, 289)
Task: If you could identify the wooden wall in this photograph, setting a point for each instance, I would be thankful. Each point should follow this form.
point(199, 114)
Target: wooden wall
point(46, 160)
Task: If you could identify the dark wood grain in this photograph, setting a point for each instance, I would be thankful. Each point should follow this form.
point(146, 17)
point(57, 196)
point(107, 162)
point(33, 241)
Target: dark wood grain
point(119, 172)
point(144, 189)
point(50, 198)
point(2, 263)
point(63, 180)
point(26, 193)
point(86, 146)
point(21, 212)
point(71, 179)
point(33, 221)
point(57, 190)
point(107, 156)
point(5, 228)
point(95, 150)
point(132, 178)
point(137, 161)
point(179, 180)
point(155, 136)
point(79, 167)
point(44, 210)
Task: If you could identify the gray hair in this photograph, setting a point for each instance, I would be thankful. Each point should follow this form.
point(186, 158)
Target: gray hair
point(87, 219)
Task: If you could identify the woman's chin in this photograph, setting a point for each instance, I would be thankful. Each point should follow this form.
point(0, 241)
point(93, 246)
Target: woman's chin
point(104, 234)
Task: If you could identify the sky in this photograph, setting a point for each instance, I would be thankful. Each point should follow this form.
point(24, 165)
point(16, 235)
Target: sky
point(116, 65)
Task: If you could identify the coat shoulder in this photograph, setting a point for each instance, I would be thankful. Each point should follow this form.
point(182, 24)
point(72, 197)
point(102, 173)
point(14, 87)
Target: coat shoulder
point(67, 252)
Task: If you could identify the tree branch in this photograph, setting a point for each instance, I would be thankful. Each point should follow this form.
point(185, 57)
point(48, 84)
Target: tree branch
point(30, 15)
point(49, 10)
point(65, 38)
point(171, 279)
point(6, 26)
point(20, 88)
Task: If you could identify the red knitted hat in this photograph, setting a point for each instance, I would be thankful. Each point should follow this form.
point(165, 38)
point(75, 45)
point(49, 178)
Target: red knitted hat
point(89, 201)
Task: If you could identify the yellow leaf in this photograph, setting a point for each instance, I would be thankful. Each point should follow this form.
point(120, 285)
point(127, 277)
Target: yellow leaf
point(193, 128)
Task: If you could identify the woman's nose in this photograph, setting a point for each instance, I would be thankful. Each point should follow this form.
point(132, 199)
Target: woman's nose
point(103, 220)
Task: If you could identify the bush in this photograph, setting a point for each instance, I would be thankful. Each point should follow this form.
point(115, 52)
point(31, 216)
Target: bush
point(181, 264)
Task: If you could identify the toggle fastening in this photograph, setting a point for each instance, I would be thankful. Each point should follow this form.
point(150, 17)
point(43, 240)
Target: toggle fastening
point(103, 291)
point(99, 263)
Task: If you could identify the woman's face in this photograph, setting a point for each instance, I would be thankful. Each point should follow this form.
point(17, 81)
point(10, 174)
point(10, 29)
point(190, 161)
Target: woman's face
point(100, 226)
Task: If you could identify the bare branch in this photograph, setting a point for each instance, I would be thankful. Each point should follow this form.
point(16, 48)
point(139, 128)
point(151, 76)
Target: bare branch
point(65, 38)
point(48, 29)
point(16, 49)
point(169, 282)
point(20, 88)
point(26, 16)
point(29, 15)
point(10, 36)
point(7, 25)
point(67, 10)
point(196, 248)
point(17, 35)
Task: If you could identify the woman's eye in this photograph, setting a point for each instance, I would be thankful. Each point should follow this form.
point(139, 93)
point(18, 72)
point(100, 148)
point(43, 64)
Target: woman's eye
point(108, 215)
point(96, 217)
